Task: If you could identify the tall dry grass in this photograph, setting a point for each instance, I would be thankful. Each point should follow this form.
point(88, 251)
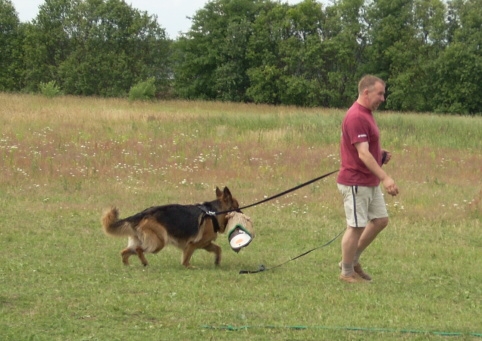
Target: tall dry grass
point(86, 145)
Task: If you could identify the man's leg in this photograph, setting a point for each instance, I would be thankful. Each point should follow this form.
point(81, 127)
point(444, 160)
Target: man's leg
point(356, 213)
point(378, 220)
point(370, 232)
point(373, 228)
point(349, 246)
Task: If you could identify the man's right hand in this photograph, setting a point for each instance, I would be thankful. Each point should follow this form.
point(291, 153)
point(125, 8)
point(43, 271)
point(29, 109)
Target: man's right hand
point(390, 186)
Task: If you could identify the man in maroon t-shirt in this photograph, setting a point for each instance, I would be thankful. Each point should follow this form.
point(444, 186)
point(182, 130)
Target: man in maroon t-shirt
point(360, 176)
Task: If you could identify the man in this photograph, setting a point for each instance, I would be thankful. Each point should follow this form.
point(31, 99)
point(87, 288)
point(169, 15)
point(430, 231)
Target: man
point(360, 176)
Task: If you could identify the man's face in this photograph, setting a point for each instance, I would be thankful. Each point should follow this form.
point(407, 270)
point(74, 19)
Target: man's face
point(375, 95)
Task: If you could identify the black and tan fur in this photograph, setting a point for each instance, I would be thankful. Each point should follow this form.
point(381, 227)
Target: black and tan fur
point(184, 226)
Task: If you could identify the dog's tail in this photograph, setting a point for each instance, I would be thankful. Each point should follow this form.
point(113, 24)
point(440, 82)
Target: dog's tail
point(115, 227)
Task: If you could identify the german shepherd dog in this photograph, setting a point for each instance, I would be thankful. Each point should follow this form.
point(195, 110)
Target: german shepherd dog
point(188, 227)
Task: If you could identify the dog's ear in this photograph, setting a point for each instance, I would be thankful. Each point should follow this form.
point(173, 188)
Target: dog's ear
point(227, 193)
point(219, 194)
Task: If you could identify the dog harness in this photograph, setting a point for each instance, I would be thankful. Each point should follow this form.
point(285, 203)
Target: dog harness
point(210, 214)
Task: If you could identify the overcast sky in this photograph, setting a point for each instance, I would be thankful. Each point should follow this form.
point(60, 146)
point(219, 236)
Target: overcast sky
point(171, 14)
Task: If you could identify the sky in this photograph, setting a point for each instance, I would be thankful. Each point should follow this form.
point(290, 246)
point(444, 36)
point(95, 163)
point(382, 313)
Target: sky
point(171, 14)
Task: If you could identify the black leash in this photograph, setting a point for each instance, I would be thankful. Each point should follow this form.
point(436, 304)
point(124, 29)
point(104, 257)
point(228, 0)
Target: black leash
point(280, 194)
point(263, 268)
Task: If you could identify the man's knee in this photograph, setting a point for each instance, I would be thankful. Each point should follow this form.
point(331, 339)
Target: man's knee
point(380, 223)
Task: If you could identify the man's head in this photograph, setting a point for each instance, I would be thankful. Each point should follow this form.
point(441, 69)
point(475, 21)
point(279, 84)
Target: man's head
point(371, 92)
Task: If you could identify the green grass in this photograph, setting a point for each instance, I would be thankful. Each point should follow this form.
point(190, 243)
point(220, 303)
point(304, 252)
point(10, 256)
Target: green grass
point(63, 160)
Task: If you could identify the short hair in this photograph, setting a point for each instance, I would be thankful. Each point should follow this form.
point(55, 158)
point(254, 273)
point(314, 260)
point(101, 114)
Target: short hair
point(368, 81)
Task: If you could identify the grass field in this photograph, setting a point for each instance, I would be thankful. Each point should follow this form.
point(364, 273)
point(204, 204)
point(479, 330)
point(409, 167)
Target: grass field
point(64, 160)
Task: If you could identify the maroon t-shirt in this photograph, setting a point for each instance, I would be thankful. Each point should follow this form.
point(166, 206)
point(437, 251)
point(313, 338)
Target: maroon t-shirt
point(358, 126)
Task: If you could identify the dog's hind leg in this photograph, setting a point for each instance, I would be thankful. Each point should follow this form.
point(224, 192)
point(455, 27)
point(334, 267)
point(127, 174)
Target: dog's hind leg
point(153, 239)
point(131, 249)
point(140, 254)
point(126, 253)
point(211, 247)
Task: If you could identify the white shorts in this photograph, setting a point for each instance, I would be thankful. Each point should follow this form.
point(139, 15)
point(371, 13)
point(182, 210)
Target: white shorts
point(362, 204)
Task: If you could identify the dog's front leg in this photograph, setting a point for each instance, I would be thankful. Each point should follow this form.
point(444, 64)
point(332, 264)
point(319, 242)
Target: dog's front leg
point(187, 254)
point(211, 247)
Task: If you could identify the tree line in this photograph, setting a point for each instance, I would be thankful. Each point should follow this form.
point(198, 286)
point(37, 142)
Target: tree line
point(262, 51)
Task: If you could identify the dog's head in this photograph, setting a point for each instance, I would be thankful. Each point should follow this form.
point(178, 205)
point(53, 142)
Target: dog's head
point(226, 203)
point(226, 200)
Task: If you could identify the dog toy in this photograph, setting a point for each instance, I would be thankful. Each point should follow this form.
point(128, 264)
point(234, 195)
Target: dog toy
point(239, 230)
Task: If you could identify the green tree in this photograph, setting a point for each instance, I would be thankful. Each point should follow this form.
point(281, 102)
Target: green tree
point(46, 44)
point(115, 47)
point(412, 59)
point(458, 69)
point(210, 60)
point(345, 43)
point(287, 55)
point(264, 55)
point(303, 55)
point(390, 23)
point(10, 51)
point(306, 56)
point(96, 47)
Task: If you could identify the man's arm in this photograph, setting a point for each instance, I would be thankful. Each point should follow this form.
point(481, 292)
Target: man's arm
point(372, 164)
